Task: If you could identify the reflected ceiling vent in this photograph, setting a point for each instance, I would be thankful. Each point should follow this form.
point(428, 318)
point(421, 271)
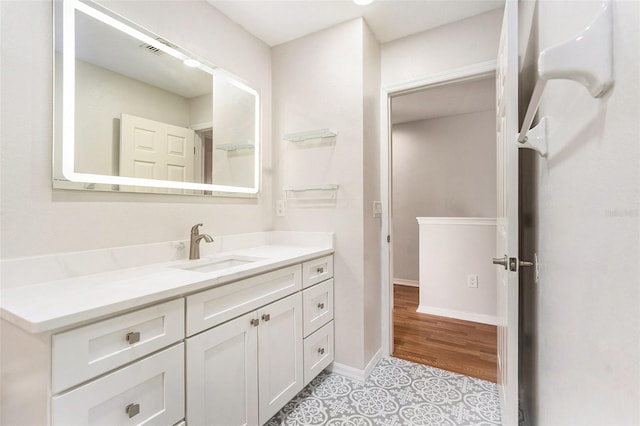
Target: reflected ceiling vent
point(155, 50)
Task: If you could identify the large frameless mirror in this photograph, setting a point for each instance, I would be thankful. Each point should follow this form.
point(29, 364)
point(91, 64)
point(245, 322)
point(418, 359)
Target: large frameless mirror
point(136, 113)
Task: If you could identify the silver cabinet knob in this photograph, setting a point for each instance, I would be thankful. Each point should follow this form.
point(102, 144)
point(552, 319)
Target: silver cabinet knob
point(321, 351)
point(266, 317)
point(132, 409)
point(133, 337)
point(320, 269)
point(255, 322)
point(320, 305)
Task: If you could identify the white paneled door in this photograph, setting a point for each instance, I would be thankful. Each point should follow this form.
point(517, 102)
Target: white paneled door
point(154, 150)
point(507, 214)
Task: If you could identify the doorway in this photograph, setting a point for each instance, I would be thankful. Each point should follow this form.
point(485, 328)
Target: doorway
point(441, 171)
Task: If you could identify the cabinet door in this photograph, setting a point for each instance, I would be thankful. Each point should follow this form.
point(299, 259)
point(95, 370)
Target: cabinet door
point(280, 362)
point(222, 376)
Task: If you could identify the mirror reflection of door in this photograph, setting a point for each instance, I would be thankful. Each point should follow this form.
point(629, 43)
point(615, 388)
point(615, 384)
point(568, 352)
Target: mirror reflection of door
point(151, 149)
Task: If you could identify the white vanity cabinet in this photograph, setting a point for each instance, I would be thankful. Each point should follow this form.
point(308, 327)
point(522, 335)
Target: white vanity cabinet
point(243, 371)
point(149, 391)
point(317, 302)
point(227, 354)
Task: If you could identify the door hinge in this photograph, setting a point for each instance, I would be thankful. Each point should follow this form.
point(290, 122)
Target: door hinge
point(388, 238)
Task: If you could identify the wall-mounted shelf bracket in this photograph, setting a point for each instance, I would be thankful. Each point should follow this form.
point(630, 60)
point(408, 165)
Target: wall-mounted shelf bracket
point(536, 138)
point(587, 59)
point(310, 135)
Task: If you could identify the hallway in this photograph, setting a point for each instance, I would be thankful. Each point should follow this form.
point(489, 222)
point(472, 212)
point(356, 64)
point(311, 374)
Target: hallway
point(460, 346)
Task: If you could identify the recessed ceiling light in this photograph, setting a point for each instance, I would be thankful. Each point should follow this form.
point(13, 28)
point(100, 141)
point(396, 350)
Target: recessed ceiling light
point(192, 63)
point(362, 2)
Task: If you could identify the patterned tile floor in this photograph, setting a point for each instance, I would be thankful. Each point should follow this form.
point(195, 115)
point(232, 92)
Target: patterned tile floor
point(397, 393)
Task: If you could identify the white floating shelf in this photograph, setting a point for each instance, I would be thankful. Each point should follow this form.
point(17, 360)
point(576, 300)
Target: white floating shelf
point(311, 193)
point(310, 135)
point(234, 146)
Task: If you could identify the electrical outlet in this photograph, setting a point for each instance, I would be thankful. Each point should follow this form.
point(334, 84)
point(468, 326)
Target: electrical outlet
point(472, 281)
point(280, 208)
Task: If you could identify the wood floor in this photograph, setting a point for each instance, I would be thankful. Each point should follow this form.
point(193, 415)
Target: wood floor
point(455, 345)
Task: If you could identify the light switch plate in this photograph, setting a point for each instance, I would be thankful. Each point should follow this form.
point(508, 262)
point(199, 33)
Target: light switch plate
point(377, 209)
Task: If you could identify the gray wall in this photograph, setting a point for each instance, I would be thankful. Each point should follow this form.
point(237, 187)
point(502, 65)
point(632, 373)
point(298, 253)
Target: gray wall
point(443, 167)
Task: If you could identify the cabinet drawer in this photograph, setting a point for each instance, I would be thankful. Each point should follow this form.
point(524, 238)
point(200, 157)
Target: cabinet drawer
point(220, 304)
point(86, 352)
point(149, 392)
point(317, 270)
point(318, 352)
point(317, 306)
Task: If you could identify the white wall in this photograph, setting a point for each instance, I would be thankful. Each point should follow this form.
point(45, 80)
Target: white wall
point(466, 42)
point(39, 220)
point(451, 249)
point(586, 339)
point(442, 167)
point(371, 192)
point(320, 81)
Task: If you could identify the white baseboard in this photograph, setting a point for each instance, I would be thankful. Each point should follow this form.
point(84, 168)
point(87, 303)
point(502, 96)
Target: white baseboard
point(466, 316)
point(355, 373)
point(410, 283)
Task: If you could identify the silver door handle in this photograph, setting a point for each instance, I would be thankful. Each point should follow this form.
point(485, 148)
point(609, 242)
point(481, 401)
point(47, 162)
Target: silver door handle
point(504, 261)
point(511, 263)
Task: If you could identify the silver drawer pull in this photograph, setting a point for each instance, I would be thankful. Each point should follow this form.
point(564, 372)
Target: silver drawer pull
point(255, 322)
point(132, 409)
point(266, 317)
point(320, 305)
point(133, 337)
point(321, 351)
point(320, 269)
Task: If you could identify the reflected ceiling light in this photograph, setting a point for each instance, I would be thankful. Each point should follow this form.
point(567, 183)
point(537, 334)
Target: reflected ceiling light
point(192, 63)
point(362, 2)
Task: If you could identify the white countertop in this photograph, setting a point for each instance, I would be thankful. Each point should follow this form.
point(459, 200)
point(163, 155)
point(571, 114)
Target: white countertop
point(51, 305)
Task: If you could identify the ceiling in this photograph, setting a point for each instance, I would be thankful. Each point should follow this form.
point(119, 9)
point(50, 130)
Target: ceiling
point(279, 21)
point(106, 47)
point(445, 100)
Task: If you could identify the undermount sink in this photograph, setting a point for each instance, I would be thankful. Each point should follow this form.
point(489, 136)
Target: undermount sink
point(216, 264)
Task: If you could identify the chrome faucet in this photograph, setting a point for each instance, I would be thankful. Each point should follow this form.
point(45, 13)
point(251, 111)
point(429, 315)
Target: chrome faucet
point(196, 236)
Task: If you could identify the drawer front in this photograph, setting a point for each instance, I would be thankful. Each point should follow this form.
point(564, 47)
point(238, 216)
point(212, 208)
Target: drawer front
point(317, 306)
point(317, 270)
point(220, 304)
point(86, 352)
point(149, 392)
point(318, 352)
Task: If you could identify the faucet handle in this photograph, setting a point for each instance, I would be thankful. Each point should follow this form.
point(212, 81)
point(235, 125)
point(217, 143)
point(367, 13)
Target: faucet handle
point(194, 229)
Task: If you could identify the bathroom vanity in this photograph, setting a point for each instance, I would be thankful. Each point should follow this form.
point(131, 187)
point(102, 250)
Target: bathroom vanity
point(227, 339)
